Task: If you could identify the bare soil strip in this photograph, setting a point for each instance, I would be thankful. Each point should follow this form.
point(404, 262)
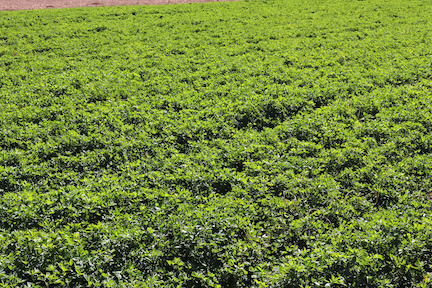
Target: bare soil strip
point(10, 5)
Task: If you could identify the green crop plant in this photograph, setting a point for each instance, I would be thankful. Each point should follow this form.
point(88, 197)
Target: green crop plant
point(241, 144)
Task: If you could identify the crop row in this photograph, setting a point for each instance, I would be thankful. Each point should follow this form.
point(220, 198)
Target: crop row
point(242, 144)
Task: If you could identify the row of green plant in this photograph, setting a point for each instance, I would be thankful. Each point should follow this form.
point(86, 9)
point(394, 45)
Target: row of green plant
point(241, 144)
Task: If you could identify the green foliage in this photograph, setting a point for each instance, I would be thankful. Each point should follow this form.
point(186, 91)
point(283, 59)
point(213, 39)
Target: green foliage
point(242, 144)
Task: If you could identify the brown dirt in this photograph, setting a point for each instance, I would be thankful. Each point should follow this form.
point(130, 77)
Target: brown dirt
point(9, 5)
